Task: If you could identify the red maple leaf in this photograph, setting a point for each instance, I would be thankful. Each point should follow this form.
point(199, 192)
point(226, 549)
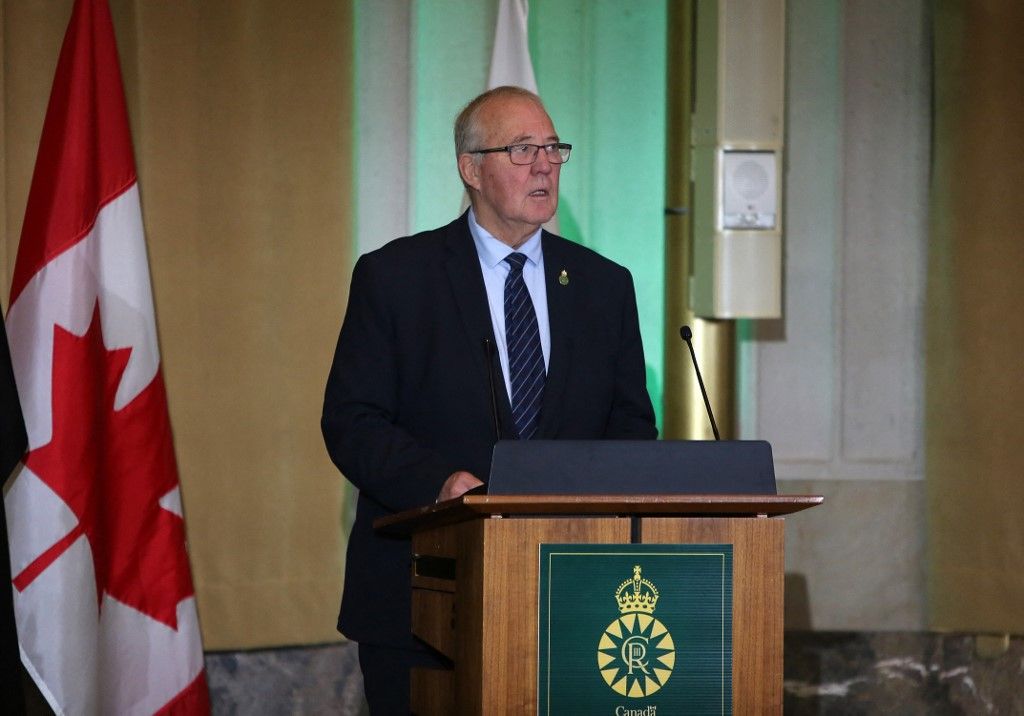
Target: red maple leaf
point(112, 467)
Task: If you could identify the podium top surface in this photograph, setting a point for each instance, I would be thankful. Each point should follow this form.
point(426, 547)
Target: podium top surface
point(631, 467)
point(470, 507)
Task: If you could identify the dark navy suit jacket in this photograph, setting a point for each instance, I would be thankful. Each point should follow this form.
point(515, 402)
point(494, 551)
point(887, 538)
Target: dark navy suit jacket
point(408, 400)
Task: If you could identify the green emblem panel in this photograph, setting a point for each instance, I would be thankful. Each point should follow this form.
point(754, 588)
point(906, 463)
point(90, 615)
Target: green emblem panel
point(635, 630)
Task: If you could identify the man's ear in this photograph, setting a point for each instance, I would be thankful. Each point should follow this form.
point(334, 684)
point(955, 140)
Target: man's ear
point(470, 171)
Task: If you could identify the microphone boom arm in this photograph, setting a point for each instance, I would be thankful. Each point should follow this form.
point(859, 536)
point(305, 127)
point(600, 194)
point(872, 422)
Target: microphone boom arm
point(686, 334)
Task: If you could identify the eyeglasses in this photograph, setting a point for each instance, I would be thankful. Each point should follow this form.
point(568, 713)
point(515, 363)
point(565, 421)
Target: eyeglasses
point(556, 152)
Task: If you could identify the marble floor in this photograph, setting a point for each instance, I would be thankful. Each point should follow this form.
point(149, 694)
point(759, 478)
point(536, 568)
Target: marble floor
point(303, 680)
point(901, 674)
point(893, 673)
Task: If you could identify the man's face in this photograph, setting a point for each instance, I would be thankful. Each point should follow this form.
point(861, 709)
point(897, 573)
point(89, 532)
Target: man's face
point(511, 201)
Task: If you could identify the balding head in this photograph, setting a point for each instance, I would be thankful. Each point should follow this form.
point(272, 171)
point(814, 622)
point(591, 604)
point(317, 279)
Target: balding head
point(469, 130)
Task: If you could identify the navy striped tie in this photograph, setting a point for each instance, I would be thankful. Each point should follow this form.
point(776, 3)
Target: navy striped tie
point(525, 357)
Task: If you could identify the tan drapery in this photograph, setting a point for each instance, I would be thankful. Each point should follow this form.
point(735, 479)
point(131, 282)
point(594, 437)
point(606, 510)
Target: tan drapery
point(241, 119)
point(975, 320)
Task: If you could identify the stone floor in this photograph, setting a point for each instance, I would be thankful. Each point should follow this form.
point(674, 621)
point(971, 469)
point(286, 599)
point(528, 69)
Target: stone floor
point(892, 673)
point(899, 673)
point(299, 681)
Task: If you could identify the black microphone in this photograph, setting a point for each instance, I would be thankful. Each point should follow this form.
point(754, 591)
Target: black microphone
point(489, 351)
point(686, 335)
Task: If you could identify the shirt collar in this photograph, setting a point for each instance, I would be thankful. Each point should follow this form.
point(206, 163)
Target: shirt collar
point(492, 252)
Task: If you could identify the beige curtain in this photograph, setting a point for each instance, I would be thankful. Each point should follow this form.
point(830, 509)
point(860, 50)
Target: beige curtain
point(241, 117)
point(975, 321)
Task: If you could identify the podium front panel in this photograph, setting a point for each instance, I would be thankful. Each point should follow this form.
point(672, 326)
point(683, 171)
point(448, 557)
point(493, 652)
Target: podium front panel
point(758, 580)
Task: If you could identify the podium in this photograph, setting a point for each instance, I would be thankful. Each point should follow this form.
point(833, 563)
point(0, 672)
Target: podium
point(476, 574)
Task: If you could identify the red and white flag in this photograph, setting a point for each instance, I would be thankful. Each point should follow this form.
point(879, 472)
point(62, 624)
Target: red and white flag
point(103, 595)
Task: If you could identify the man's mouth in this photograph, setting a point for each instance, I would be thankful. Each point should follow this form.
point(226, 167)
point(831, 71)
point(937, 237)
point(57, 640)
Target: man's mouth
point(538, 193)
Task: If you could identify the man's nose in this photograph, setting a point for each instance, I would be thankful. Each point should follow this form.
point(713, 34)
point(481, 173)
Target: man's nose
point(543, 165)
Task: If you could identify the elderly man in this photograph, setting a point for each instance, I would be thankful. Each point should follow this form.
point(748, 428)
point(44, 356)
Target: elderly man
point(433, 321)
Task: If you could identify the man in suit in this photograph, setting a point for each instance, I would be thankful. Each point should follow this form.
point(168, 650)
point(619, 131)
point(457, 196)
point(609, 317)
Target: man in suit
point(434, 320)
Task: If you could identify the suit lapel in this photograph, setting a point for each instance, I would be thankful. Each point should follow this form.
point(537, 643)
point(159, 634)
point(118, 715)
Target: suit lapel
point(467, 285)
point(561, 309)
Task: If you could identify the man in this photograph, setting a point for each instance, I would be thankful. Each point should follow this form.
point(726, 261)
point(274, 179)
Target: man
point(408, 413)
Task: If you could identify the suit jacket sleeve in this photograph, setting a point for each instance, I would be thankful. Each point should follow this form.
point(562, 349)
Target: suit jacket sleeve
point(361, 412)
point(632, 415)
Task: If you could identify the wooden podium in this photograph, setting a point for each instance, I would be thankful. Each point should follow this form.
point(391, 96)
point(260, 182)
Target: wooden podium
point(475, 585)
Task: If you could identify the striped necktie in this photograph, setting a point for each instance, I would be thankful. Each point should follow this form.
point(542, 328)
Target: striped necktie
point(525, 357)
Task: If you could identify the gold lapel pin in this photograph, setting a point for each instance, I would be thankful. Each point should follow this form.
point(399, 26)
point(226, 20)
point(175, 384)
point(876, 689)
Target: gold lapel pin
point(563, 278)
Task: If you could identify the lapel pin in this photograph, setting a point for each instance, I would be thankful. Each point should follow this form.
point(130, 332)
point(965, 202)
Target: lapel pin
point(563, 278)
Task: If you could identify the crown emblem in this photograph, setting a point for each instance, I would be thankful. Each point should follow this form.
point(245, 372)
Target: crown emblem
point(636, 594)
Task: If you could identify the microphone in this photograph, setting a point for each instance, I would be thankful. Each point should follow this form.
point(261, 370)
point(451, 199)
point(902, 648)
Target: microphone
point(686, 334)
point(489, 351)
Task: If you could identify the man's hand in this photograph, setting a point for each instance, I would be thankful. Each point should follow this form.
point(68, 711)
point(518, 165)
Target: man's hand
point(457, 484)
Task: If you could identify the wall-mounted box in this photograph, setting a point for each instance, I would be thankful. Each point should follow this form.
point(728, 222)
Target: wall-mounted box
point(737, 150)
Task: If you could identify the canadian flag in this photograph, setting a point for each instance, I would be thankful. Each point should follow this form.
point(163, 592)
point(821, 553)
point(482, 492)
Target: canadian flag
point(103, 596)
